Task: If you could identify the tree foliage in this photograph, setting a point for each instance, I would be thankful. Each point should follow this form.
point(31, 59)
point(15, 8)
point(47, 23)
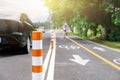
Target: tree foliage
point(24, 17)
point(85, 15)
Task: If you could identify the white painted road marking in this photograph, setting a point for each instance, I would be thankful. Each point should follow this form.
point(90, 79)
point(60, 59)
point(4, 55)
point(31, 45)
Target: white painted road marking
point(64, 46)
point(117, 61)
point(50, 75)
point(69, 47)
point(99, 48)
point(74, 47)
point(79, 60)
point(45, 65)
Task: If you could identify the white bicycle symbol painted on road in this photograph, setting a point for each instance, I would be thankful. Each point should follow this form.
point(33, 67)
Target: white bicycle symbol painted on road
point(117, 61)
point(69, 47)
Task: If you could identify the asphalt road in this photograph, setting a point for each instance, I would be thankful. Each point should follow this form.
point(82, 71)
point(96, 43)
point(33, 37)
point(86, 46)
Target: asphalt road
point(71, 59)
point(101, 63)
point(15, 65)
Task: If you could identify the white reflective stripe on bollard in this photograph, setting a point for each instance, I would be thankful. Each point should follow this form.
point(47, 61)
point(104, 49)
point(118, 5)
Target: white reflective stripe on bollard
point(37, 61)
point(36, 44)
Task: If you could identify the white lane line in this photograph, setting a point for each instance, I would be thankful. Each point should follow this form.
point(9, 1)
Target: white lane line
point(50, 75)
point(45, 64)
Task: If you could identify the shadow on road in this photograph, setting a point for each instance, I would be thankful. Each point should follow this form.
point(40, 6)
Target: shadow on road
point(11, 52)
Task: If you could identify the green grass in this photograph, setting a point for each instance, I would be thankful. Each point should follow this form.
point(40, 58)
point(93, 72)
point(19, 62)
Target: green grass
point(78, 35)
point(108, 43)
point(111, 44)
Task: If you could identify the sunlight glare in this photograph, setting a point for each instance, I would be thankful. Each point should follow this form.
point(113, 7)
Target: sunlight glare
point(35, 9)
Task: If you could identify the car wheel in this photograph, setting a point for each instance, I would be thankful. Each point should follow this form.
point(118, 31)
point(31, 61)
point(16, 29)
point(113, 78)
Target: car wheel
point(27, 48)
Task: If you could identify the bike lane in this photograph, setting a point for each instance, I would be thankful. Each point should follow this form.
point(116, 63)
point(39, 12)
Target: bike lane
point(74, 63)
point(106, 52)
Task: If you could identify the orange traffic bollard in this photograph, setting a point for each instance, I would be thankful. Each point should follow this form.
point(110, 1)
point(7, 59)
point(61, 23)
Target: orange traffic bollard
point(36, 55)
point(52, 39)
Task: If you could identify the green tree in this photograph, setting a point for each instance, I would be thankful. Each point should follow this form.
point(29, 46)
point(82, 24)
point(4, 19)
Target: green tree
point(81, 14)
point(24, 17)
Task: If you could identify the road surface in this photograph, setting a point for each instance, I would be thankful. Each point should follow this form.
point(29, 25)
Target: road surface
point(71, 59)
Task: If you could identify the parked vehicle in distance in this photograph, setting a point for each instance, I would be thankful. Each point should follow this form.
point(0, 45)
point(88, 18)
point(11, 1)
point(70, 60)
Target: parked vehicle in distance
point(41, 29)
point(15, 34)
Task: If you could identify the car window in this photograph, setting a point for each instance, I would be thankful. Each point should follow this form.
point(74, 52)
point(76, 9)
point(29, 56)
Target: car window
point(9, 26)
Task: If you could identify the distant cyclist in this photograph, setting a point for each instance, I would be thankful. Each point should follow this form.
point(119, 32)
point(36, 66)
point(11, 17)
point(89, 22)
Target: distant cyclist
point(65, 29)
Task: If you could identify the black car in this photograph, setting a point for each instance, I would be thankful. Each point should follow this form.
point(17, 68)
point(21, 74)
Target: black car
point(15, 34)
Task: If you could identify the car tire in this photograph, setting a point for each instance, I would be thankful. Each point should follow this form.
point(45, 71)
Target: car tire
point(27, 48)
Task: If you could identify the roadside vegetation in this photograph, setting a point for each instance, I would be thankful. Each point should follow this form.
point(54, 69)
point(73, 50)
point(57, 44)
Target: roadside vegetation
point(112, 44)
point(98, 20)
point(108, 43)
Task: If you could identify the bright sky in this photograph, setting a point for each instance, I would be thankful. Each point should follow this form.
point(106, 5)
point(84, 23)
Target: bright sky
point(35, 9)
